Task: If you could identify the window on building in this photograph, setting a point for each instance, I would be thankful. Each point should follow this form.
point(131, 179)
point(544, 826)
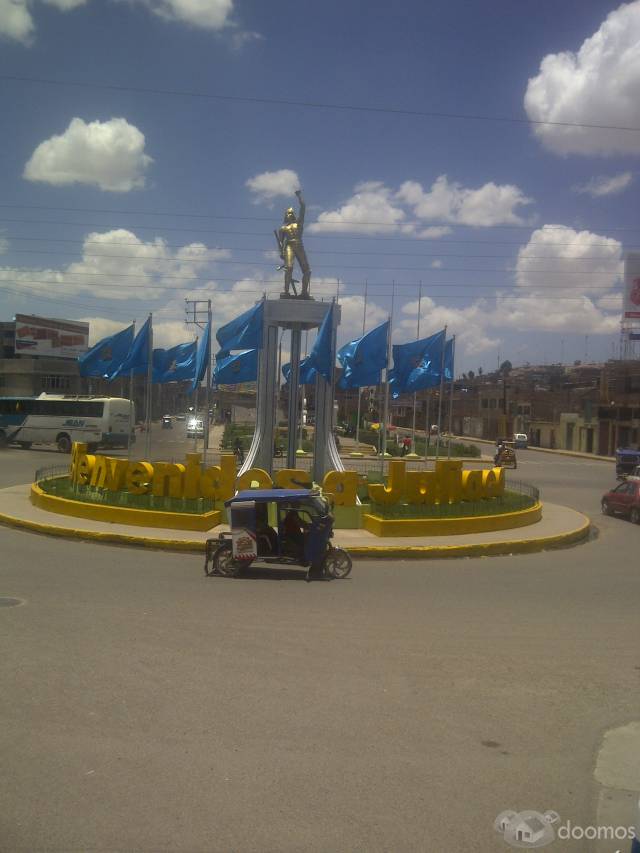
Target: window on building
point(485, 404)
point(56, 383)
point(492, 404)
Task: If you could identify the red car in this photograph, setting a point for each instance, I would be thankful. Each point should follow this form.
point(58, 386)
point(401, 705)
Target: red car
point(623, 500)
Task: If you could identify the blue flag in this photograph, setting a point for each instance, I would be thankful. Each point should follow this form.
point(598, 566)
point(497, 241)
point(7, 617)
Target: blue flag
point(320, 357)
point(237, 368)
point(202, 357)
point(245, 332)
point(107, 355)
point(416, 365)
point(364, 359)
point(176, 364)
point(137, 359)
point(307, 374)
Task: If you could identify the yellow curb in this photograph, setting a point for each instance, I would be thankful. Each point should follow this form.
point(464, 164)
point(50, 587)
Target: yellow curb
point(487, 549)
point(98, 536)
point(124, 515)
point(462, 525)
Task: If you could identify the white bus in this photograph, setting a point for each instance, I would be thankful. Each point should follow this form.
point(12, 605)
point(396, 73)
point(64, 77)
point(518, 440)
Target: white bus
point(61, 420)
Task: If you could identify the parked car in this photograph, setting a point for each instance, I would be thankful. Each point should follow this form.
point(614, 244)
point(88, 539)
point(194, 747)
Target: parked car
point(520, 441)
point(195, 428)
point(623, 500)
point(167, 422)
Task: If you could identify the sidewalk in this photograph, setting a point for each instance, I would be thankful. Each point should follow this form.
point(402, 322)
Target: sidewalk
point(559, 527)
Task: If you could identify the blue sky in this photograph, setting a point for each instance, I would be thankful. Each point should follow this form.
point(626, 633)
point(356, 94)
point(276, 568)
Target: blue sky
point(119, 197)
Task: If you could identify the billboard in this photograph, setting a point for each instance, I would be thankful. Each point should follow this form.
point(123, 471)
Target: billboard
point(57, 338)
point(631, 309)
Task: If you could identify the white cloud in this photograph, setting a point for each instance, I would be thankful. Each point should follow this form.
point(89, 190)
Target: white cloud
point(598, 85)
point(65, 5)
point(352, 308)
point(559, 258)
point(603, 185)
point(491, 204)
point(16, 21)
point(118, 266)
point(470, 324)
point(107, 154)
point(376, 209)
point(370, 210)
point(207, 14)
point(270, 185)
point(544, 300)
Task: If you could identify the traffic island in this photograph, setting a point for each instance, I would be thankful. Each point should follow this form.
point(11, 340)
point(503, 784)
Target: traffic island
point(443, 512)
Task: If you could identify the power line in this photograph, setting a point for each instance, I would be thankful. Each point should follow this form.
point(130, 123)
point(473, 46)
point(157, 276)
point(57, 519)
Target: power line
point(418, 223)
point(329, 287)
point(183, 93)
point(176, 260)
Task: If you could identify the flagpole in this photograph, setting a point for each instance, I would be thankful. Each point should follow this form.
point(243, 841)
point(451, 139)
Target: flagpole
point(383, 451)
point(444, 344)
point(364, 324)
point(453, 361)
point(147, 444)
point(427, 427)
point(132, 416)
point(415, 395)
point(207, 422)
point(195, 408)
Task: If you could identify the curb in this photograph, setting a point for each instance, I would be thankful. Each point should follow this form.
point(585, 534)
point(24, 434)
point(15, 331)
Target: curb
point(486, 549)
point(425, 552)
point(558, 451)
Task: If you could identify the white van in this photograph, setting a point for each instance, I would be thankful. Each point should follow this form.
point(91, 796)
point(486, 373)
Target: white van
point(520, 441)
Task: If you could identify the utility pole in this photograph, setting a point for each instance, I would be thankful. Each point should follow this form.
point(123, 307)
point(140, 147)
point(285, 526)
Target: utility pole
point(199, 315)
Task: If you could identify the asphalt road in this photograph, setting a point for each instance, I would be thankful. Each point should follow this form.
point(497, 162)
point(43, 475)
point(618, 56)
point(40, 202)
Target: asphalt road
point(148, 708)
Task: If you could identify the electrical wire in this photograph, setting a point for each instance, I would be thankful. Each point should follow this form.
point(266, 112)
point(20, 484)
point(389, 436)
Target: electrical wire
point(200, 259)
point(319, 105)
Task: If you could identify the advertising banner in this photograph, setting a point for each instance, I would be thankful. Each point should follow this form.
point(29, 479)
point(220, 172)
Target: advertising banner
point(632, 286)
point(57, 338)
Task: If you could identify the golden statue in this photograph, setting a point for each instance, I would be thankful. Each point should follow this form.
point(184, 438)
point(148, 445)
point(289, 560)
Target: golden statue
point(289, 237)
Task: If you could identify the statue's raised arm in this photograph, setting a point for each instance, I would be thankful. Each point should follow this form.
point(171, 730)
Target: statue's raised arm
point(302, 210)
point(289, 237)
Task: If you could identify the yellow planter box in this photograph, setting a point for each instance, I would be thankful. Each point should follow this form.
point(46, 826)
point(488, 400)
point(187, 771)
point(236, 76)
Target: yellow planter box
point(450, 526)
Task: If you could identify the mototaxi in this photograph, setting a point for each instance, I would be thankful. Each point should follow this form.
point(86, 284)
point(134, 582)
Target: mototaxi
point(277, 527)
point(627, 459)
point(506, 456)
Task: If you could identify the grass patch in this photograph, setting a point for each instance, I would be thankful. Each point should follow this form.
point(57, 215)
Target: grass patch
point(509, 502)
point(62, 487)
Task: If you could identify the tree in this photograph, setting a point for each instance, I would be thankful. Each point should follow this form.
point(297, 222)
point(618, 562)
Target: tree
point(506, 367)
point(471, 374)
point(479, 371)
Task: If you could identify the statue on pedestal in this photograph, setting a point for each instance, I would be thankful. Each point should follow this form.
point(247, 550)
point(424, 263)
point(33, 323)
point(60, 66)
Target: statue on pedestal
point(289, 237)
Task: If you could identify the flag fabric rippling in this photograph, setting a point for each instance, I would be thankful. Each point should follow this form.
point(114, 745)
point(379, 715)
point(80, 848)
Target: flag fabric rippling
point(416, 365)
point(107, 355)
point(237, 368)
point(243, 333)
point(364, 359)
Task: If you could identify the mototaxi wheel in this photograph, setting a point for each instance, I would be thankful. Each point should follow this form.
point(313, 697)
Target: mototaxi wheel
point(223, 562)
point(337, 563)
point(64, 443)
